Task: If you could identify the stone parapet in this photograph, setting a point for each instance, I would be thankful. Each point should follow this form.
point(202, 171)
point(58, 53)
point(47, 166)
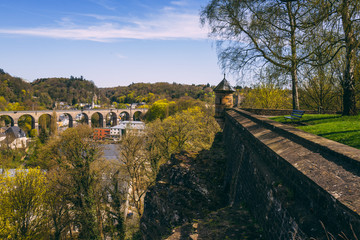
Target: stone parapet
point(280, 112)
point(291, 181)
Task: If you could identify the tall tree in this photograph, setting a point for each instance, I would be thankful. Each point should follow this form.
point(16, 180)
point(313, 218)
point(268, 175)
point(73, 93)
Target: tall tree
point(53, 123)
point(337, 22)
point(22, 205)
point(73, 154)
point(348, 11)
point(134, 158)
point(254, 32)
point(188, 130)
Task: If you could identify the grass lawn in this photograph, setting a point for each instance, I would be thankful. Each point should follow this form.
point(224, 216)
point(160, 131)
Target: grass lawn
point(339, 128)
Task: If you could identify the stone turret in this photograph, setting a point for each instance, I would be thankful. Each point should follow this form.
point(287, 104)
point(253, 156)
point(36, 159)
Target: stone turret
point(223, 99)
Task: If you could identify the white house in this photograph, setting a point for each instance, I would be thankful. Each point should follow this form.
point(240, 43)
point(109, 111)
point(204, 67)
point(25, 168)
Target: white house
point(119, 130)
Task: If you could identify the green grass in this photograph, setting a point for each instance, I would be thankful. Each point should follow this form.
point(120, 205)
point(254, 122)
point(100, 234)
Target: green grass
point(343, 129)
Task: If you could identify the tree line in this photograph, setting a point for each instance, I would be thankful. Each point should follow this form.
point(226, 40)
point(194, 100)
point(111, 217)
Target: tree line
point(310, 42)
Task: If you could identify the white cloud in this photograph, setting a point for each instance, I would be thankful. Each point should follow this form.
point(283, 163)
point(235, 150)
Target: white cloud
point(179, 3)
point(120, 56)
point(169, 24)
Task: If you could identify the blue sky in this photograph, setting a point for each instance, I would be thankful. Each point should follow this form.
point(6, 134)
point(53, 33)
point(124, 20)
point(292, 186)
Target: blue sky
point(111, 42)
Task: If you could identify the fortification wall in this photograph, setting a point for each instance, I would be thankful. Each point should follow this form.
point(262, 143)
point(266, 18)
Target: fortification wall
point(280, 112)
point(293, 182)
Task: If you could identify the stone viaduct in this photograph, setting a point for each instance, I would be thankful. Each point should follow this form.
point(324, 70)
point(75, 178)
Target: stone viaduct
point(114, 114)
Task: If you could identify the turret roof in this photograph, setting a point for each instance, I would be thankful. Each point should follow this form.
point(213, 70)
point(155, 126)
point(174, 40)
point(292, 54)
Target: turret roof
point(224, 86)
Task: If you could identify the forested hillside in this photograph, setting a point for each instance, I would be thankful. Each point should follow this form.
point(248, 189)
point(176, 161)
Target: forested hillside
point(15, 93)
point(149, 92)
point(46, 93)
point(70, 90)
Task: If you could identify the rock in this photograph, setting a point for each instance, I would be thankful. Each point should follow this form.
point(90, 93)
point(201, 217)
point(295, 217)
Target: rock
point(187, 188)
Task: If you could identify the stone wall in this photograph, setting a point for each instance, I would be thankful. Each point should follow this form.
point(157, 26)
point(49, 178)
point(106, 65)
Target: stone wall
point(280, 112)
point(294, 183)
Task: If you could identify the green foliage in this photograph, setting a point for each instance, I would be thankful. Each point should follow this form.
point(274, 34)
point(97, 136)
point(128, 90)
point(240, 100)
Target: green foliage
point(343, 129)
point(22, 205)
point(188, 130)
point(159, 110)
point(25, 123)
point(3, 104)
point(70, 90)
point(267, 96)
point(11, 158)
point(95, 120)
point(72, 154)
point(149, 93)
point(44, 135)
point(14, 89)
point(53, 123)
point(121, 105)
point(44, 122)
point(164, 108)
point(32, 155)
point(5, 121)
point(33, 133)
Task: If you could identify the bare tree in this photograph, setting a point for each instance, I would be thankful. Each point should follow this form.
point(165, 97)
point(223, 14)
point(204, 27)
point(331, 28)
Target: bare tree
point(140, 174)
point(255, 32)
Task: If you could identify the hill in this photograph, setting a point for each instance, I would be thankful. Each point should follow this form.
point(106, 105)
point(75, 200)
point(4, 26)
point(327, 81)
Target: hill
point(45, 93)
point(70, 90)
point(148, 92)
point(14, 90)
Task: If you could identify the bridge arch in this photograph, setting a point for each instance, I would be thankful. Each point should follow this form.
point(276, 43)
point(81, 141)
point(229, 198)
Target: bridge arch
point(138, 116)
point(82, 118)
point(111, 119)
point(44, 122)
point(124, 116)
point(14, 116)
point(27, 122)
point(6, 121)
point(97, 120)
point(67, 120)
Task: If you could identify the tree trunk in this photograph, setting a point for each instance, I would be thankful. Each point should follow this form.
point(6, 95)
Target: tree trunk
point(295, 93)
point(294, 78)
point(349, 101)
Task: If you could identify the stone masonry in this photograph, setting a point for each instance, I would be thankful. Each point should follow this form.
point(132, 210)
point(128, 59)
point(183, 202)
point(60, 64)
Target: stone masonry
point(295, 184)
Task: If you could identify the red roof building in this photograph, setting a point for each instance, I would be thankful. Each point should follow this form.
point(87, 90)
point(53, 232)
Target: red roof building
point(101, 133)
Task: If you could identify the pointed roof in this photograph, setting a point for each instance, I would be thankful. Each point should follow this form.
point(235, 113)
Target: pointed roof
point(15, 132)
point(224, 86)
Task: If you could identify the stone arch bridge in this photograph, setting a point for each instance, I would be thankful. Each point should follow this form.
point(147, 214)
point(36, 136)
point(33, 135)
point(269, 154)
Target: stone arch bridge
point(73, 115)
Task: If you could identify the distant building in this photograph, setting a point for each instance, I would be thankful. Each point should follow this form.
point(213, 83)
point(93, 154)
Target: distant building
point(120, 130)
point(101, 133)
point(14, 137)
